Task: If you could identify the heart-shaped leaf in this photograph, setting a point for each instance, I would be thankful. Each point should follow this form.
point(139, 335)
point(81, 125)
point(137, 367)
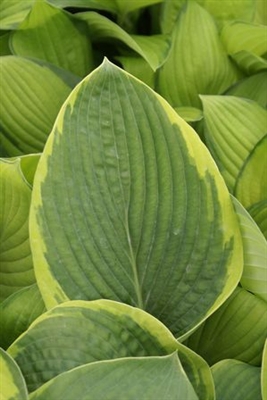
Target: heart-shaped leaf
point(49, 34)
point(138, 200)
point(197, 63)
point(236, 330)
point(33, 95)
point(233, 126)
point(12, 382)
point(236, 380)
point(16, 268)
point(147, 378)
point(81, 332)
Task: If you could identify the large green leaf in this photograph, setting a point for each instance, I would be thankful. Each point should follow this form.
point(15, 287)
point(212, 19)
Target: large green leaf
point(236, 380)
point(254, 277)
point(253, 87)
point(147, 378)
point(154, 49)
point(50, 34)
point(32, 95)
point(197, 63)
point(81, 332)
point(236, 330)
point(13, 12)
point(258, 212)
point(138, 200)
point(251, 184)
point(12, 382)
point(16, 268)
point(17, 312)
point(233, 126)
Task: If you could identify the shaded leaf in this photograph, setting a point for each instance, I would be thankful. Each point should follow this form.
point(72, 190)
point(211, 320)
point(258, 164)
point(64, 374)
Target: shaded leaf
point(18, 311)
point(236, 380)
point(251, 184)
point(33, 95)
point(50, 34)
point(139, 68)
point(12, 382)
point(139, 202)
point(13, 12)
point(80, 332)
point(132, 378)
point(4, 44)
point(197, 63)
point(232, 128)
point(236, 330)
point(16, 261)
point(28, 165)
point(254, 277)
point(258, 212)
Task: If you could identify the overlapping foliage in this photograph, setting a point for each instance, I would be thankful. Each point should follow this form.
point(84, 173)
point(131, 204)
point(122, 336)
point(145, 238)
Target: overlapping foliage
point(133, 201)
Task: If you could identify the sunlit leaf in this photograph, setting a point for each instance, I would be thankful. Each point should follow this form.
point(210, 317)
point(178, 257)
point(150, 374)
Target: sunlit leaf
point(13, 12)
point(12, 382)
point(50, 34)
point(236, 380)
point(189, 114)
point(236, 330)
point(197, 63)
point(233, 126)
point(16, 268)
point(138, 200)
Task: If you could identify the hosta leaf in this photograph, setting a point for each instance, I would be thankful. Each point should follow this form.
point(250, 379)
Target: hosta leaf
point(254, 277)
point(4, 44)
point(154, 49)
point(249, 63)
point(13, 12)
point(50, 34)
point(251, 184)
point(132, 378)
point(258, 212)
point(16, 269)
point(236, 330)
point(238, 36)
point(28, 165)
point(32, 97)
point(139, 68)
point(139, 201)
point(233, 126)
point(189, 114)
point(264, 372)
point(253, 87)
point(261, 12)
point(18, 311)
point(197, 63)
point(80, 332)
point(236, 380)
point(12, 382)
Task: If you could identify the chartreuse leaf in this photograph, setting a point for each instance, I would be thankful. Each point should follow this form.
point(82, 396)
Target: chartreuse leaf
point(17, 312)
point(129, 378)
point(233, 126)
point(33, 95)
point(12, 382)
point(264, 372)
point(50, 34)
point(261, 12)
point(154, 49)
point(236, 380)
point(82, 332)
point(249, 63)
point(138, 67)
point(251, 184)
point(197, 63)
point(254, 277)
point(253, 87)
point(258, 212)
point(138, 200)
point(28, 165)
point(189, 114)
point(236, 330)
point(16, 268)
point(13, 12)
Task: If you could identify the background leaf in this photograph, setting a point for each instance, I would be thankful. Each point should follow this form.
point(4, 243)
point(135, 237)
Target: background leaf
point(236, 380)
point(16, 261)
point(258, 212)
point(263, 373)
point(13, 12)
point(143, 378)
point(249, 63)
point(233, 126)
point(50, 34)
point(139, 201)
point(33, 97)
point(12, 382)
